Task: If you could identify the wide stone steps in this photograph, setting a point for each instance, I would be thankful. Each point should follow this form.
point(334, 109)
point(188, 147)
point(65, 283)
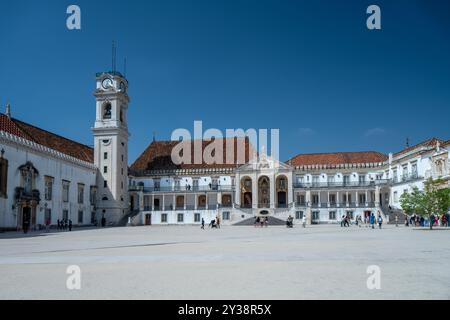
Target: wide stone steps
point(251, 221)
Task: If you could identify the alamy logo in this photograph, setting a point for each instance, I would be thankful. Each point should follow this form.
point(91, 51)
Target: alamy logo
point(231, 148)
point(73, 281)
point(374, 20)
point(73, 22)
point(374, 280)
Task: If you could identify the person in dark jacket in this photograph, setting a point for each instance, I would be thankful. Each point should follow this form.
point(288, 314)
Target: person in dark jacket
point(70, 225)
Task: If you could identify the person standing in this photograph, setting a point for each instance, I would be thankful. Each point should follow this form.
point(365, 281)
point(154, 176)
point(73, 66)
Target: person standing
point(70, 225)
point(396, 220)
point(372, 220)
point(218, 222)
point(304, 221)
point(203, 224)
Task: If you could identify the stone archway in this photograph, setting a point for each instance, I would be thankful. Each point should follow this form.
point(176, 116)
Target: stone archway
point(264, 192)
point(246, 192)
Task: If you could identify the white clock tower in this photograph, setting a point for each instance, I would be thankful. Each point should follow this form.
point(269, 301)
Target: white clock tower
point(111, 146)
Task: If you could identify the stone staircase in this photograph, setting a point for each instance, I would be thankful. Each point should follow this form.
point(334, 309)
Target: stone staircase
point(391, 213)
point(251, 221)
point(124, 221)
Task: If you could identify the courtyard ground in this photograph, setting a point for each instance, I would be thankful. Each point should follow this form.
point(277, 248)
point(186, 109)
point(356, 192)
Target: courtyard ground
point(184, 262)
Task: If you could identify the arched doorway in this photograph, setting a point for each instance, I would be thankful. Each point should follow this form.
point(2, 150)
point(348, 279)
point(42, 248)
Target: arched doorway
point(281, 191)
point(264, 192)
point(201, 201)
point(246, 192)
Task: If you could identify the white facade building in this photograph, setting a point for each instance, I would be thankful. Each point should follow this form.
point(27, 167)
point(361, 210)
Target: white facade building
point(44, 177)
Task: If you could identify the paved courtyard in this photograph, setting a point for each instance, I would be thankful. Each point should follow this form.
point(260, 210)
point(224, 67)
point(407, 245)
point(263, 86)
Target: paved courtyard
point(185, 262)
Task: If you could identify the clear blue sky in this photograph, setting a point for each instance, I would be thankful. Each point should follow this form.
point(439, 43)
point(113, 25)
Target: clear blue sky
point(309, 68)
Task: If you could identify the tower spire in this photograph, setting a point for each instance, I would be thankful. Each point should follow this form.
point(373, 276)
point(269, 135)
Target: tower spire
point(8, 110)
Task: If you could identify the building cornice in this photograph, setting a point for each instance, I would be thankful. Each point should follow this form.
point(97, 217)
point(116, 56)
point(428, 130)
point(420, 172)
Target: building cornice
point(15, 140)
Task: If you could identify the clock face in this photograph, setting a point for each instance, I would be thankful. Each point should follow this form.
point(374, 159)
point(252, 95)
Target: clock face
point(106, 83)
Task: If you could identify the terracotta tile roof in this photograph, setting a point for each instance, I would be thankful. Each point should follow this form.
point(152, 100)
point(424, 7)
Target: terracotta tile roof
point(337, 158)
point(427, 143)
point(47, 139)
point(157, 156)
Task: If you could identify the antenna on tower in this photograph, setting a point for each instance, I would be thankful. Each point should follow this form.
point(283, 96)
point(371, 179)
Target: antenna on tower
point(113, 55)
point(407, 142)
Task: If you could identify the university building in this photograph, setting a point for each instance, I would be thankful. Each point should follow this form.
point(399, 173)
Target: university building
point(45, 176)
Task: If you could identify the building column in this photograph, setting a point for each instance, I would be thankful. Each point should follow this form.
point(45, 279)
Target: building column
point(272, 191)
point(377, 196)
point(153, 202)
point(328, 199)
point(141, 201)
point(185, 201)
point(207, 204)
point(174, 203)
point(163, 202)
point(346, 199)
point(254, 191)
point(196, 202)
point(320, 202)
point(367, 198)
point(338, 200)
point(357, 198)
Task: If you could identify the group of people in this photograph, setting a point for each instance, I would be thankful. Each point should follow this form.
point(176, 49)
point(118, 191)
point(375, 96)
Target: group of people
point(65, 224)
point(261, 221)
point(214, 224)
point(290, 221)
point(420, 221)
point(369, 220)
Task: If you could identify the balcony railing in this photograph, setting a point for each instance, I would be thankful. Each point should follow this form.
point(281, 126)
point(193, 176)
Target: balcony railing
point(406, 178)
point(183, 189)
point(343, 184)
point(336, 205)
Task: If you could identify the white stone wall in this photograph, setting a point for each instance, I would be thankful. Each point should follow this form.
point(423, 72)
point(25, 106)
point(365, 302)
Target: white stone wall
point(49, 163)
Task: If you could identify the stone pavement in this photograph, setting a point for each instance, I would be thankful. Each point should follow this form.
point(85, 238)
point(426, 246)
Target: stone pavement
point(184, 262)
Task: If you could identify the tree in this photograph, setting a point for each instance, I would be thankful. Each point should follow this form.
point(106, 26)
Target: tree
point(433, 200)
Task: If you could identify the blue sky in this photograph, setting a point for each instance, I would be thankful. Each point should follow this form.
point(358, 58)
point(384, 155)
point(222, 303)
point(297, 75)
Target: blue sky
point(310, 68)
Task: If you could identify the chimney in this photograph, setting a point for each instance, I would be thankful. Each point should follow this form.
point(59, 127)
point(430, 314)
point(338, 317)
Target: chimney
point(8, 110)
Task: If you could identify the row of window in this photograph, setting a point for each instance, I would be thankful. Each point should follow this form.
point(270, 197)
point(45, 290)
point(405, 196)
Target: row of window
point(197, 217)
point(315, 215)
point(65, 215)
point(48, 192)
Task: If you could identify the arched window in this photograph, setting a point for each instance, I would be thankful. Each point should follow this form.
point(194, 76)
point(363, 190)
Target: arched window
point(107, 111)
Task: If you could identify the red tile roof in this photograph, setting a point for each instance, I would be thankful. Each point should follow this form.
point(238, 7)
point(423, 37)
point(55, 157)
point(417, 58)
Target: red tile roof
point(337, 158)
point(427, 143)
point(47, 139)
point(158, 156)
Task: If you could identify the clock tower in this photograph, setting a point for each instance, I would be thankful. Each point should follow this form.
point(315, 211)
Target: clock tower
point(111, 146)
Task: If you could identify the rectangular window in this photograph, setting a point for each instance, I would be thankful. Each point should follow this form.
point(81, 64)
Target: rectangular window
point(105, 184)
point(362, 179)
point(80, 217)
point(226, 215)
point(316, 216)
point(157, 184)
point(3, 177)
point(48, 215)
point(195, 184)
point(301, 199)
point(197, 217)
point(105, 169)
point(332, 215)
point(395, 196)
point(65, 190)
point(163, 217)
point(180, 217)
point(346, 180)
point(414, 172)
point(48, 188)
point(350, 214)
point(330, 180)
point(105, 156)
point(93, 195)
point(315, 199)
point(298, 215)
point(362, 198)
point(332, 199)
point(80, 193)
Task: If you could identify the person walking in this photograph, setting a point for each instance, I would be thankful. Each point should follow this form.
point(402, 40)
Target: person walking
point(372, 220)
point(203, 224)
point(218, 222)
point(304, 221)
point(380, 220)
point(70, 225)
point(396, 220)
